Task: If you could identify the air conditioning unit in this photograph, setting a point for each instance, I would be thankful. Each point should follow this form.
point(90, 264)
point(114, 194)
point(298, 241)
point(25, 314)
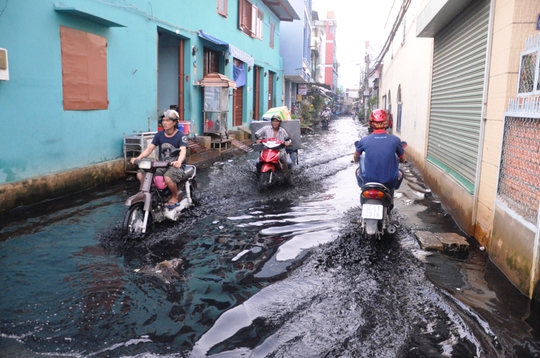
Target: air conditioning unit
point(4, 68)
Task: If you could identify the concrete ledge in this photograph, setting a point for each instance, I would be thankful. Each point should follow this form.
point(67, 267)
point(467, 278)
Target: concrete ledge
point(428, 241)
point(35, 190)
point(453, 242)
point(204, 157)
point(447, 241)
point(204, 141)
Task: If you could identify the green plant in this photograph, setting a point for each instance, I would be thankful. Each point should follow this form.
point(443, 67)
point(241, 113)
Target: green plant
point(318, 105)
point(305, 107)
point(373, 103)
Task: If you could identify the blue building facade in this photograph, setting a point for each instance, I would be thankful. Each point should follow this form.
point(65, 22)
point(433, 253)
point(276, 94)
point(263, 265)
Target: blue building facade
point(296, 51)
point(85, 73)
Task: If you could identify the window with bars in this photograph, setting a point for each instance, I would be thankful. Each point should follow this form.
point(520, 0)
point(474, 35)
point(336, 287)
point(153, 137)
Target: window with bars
point(250, 19)
point(529, 68)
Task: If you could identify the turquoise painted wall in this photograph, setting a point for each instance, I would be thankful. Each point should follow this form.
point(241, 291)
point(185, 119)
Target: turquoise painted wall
point(41, 138)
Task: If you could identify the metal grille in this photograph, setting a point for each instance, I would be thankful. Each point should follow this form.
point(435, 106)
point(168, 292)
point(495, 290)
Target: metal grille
point(519, 179)
point(526, 73)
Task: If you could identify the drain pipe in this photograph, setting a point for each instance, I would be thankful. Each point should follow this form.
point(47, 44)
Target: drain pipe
point(483, 117)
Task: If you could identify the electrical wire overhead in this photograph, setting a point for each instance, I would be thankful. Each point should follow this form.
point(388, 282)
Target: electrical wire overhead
point(395, 27)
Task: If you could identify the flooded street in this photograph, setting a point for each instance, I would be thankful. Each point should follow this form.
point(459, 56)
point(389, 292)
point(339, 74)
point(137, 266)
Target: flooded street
point(282, 273)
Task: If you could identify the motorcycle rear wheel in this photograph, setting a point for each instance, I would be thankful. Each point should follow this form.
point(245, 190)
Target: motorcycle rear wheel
point(377, 234)
point(133, 220)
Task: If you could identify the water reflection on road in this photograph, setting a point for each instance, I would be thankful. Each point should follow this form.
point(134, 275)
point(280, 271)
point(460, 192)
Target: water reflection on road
point(283, 273)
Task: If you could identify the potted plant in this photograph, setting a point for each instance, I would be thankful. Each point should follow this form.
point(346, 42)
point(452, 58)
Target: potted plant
point(305, 120)
point(317, 105)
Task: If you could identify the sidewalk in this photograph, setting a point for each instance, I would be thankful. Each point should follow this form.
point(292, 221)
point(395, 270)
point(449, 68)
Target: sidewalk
point(202, 154)
point(32, 191)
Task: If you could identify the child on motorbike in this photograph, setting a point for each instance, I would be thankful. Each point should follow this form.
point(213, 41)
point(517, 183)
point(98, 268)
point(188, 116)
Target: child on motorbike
point(169, 141)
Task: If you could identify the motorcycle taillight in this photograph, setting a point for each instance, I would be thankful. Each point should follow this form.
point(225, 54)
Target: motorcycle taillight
point(372, 194)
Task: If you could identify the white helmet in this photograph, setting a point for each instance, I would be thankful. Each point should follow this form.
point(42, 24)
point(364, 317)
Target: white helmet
point(171, 114)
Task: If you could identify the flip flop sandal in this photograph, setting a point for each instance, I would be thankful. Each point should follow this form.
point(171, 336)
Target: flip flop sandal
point(172, 206)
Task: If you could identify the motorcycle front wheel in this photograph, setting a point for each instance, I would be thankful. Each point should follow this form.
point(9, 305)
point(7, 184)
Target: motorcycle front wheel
point(133, 222)
point(265, 179)
point(195, 198)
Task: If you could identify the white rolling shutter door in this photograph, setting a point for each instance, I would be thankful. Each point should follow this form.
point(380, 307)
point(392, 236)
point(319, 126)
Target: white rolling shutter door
point(459, 64)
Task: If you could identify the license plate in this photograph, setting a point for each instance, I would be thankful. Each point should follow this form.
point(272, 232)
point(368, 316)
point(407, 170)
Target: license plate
point(370, 211)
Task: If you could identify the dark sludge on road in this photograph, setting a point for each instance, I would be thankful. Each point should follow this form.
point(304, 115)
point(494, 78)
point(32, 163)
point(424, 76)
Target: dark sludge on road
point(280, 273)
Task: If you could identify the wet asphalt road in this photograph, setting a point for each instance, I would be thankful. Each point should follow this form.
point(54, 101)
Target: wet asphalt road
point(282, 273)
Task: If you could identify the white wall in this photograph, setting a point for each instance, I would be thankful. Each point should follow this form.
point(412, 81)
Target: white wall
point(409, 65)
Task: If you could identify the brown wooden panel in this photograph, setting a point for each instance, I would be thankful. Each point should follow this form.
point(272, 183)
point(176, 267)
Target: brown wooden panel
point(270, 89)
point(257, 94)
point(238, 103)
point(84, 70)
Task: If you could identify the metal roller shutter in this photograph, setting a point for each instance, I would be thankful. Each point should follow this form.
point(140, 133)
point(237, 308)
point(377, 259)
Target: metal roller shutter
point(459, 63)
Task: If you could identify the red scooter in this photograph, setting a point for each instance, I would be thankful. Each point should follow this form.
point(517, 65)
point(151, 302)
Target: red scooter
point(269, 167)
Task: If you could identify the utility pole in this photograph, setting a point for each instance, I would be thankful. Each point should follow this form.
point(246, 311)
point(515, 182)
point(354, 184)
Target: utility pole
point(366, 85)
point(357, 109)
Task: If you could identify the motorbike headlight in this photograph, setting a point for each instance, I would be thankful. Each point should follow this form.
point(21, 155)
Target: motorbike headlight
point(145, 164)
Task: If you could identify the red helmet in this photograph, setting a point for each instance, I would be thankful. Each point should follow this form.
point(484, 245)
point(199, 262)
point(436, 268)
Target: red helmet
point(378, 119)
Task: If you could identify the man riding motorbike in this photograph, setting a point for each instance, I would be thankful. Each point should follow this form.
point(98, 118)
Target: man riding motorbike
point(327, 112)
point(276, 131)
point(383, 152)
point(168, 141)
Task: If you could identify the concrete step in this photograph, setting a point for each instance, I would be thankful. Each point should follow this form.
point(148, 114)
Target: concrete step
point(443, 241)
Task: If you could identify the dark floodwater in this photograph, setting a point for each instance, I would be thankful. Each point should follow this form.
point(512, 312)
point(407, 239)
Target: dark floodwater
point(283, 273)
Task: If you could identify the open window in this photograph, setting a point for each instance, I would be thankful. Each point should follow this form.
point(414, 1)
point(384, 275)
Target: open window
point(250, 19)
point(222, 7)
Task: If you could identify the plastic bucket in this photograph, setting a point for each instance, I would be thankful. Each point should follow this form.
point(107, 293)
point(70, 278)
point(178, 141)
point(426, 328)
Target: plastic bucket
point(184, 126)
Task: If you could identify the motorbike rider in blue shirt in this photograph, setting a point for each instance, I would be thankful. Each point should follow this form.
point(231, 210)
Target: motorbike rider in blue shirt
point(382, 154)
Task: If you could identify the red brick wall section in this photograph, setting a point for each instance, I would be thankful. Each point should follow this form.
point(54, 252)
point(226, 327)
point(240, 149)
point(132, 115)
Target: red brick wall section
point(519, 180)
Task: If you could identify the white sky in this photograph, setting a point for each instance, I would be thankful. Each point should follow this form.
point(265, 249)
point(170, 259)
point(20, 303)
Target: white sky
point(358, 21)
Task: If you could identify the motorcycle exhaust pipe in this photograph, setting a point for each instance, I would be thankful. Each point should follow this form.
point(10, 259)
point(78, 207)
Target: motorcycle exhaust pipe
point(391, 229)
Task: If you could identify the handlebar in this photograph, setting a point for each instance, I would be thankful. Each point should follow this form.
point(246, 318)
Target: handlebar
point(148, 163)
